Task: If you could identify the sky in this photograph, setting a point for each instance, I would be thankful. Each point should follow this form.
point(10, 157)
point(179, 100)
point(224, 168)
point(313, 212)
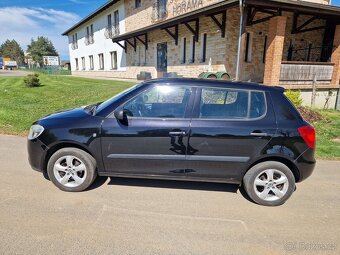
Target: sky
point(25, 19)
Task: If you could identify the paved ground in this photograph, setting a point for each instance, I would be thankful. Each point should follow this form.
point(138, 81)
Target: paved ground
point(126, 216)
point(4, 73)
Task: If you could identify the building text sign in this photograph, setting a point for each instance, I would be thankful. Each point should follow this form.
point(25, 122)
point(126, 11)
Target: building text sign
point(184, 6)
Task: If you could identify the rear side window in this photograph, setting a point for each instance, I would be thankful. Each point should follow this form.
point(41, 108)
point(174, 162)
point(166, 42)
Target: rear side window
point(231, 104)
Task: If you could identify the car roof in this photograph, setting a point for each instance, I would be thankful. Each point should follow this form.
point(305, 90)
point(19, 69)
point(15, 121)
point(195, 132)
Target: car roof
point(214, 83)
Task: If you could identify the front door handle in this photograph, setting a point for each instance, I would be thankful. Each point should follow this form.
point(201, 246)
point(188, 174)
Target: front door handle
point(177, 133)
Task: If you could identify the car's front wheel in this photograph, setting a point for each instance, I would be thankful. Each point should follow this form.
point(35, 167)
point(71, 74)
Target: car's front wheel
point(269, 183)
point(72, 169)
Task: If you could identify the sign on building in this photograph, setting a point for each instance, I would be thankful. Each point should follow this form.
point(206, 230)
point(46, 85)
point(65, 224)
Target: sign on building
point(51, 60)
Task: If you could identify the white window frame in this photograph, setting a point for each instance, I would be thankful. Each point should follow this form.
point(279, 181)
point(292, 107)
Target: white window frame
point(101, 61)
point(83, 64)
point(91, 62)
point(114, 60)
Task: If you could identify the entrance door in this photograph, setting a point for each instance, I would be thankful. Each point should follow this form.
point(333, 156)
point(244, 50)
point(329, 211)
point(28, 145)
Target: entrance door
point(161, 59)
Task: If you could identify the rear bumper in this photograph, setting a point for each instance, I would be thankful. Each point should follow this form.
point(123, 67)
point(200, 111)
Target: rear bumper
point(36, 154)
point(306, 164)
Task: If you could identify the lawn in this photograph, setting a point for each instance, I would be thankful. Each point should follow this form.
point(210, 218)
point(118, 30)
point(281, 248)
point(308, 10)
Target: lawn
point(20, 106)
point(326, 131)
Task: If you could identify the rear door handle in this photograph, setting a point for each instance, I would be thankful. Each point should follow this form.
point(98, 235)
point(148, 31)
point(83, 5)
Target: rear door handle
point(258, 134)
point(177, 133)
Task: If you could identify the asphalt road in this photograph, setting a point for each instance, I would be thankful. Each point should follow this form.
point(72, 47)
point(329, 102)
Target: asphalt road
point(4, 73)
point(128, 216)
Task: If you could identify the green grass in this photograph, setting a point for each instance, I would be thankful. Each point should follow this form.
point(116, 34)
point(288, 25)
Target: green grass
point(20, 106)
point(326, 131)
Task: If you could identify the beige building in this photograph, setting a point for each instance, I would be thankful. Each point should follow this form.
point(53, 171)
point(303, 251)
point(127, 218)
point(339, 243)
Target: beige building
point(290, 43)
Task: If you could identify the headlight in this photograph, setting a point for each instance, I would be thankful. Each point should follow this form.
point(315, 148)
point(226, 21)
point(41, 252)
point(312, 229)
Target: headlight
point(35, 131)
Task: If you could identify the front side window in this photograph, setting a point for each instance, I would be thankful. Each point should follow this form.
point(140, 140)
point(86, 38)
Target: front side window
point(235, 104)
point(159, 102)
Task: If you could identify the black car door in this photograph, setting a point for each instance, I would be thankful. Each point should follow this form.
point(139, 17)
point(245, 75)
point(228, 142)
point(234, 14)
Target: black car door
point(229, 128)
point(153, 139)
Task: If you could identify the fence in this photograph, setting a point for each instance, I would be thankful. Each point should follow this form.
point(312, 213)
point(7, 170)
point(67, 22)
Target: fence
point(305, 72)
point(51, 71)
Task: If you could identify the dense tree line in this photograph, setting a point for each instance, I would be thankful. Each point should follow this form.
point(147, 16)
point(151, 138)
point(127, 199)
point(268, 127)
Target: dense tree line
point(38, 48)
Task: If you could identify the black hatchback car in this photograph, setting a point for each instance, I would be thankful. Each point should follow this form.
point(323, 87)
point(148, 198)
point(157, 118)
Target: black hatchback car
point(180, 129)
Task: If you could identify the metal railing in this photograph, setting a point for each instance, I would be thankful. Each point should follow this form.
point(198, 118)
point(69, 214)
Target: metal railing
point(89, 40)
point(111, 32)
point(310, 54)
point(74, 45)
point(159, 10)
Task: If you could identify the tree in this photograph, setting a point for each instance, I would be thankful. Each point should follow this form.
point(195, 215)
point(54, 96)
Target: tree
point(12, 50)
point(39, 48)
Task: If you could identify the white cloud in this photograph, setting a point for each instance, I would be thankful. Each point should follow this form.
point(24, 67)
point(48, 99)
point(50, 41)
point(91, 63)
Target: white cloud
point(22, 24)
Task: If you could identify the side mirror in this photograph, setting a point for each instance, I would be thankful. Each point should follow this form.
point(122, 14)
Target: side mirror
point(120, 115)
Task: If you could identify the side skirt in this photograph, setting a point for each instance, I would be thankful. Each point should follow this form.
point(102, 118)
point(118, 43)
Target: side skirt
point(166, 177)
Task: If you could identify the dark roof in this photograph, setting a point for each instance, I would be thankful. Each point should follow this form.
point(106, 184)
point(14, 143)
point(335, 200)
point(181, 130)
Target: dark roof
point(213, 83)
point(91, 15)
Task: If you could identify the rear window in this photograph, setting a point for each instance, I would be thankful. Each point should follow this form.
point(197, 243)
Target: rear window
point(231, 104)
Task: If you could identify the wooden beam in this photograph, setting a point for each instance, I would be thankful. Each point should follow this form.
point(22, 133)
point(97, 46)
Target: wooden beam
point(301, 28)
point(173, 35)
point(132, 44)
point(221, 25)
point(194, 31)
point(123, 46)
point(145, 41)
point(253, 11)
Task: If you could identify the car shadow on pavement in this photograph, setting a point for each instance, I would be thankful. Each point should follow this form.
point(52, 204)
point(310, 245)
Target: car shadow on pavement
point(172, 184)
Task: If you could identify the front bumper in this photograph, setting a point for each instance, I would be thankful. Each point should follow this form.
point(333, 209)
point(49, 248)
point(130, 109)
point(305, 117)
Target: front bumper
point(37, 151)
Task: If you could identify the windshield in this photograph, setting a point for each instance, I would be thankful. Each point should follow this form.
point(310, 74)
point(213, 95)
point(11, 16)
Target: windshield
point(116, 97)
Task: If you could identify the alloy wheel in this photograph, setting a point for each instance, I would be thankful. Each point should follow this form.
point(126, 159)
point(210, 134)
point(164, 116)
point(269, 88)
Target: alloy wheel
point(69, 171)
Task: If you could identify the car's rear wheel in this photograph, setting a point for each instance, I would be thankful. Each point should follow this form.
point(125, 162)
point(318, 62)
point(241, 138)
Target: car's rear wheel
point(269, 183)
point(72, 169)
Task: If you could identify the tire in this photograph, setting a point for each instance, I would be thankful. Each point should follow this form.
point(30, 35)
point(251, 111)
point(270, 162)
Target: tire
point(275, 183)
point(72, 169)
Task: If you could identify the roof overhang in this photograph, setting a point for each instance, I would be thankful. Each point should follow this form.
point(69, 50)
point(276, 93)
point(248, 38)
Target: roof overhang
point(301, 7)
point(91, 15)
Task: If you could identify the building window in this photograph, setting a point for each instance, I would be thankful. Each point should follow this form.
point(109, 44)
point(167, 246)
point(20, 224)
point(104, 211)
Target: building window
point(77, 64)
point(91, 62)
point(74, 41)
point(113, 60)
point(183, 50)
point(204, 48)
point(192, 50)
point(249, 45)
point(116, 22)
point(89, 35)
point(83, 63)
point(138, 3)
point(264, 49)
point(109, 20)
point(101, 61)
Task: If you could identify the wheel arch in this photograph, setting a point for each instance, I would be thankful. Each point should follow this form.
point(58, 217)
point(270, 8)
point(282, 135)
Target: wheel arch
point(290, 164)
point(60, 146)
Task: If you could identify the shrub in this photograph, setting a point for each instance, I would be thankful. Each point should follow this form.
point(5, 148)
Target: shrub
point(294, 97)
point(32, 80)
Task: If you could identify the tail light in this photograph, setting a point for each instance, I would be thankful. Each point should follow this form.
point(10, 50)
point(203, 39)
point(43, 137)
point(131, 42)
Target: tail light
point(308, 135)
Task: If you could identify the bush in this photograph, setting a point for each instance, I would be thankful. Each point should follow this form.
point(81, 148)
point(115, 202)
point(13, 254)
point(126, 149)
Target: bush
point(32, 80)
point(294, 97)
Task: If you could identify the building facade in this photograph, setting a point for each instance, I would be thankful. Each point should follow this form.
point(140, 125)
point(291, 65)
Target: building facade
point(290, 43)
